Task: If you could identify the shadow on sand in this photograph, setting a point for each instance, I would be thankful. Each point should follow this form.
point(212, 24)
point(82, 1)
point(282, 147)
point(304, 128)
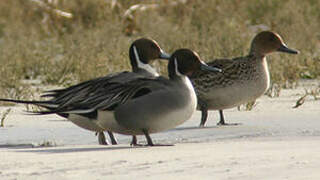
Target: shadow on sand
point(32, 149)
point(62, 149)
point(193, 128)
point(16, 146)
point(76, 149)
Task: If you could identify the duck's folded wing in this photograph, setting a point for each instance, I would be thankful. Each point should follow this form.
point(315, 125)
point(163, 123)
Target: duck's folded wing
point(81, 92)
point(84, 86)
point(109, 97)
point(221, 63)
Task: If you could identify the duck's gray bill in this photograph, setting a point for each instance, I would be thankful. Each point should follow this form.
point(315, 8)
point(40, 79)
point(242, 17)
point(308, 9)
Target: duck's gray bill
point(284, 48)
point(205, 67)
point(164, 55)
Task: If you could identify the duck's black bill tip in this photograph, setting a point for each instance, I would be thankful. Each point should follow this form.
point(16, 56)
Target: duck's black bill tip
point(205, 67)
point(284, 48)
point(164, 55)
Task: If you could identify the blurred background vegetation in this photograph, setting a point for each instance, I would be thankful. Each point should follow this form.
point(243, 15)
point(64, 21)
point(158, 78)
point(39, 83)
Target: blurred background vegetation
point(62, 42)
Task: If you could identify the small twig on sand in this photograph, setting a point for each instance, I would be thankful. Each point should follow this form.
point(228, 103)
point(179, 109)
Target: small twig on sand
point(248, 106)
point(300, 101)
point(5, 114)
point(313, 92)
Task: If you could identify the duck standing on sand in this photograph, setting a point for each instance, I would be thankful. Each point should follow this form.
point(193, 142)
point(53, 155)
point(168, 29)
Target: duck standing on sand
point(144, 105)
point(244, 79)
point(141, 53)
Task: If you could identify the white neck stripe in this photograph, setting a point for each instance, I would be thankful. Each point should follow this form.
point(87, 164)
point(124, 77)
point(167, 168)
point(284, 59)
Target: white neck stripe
point(142, 65)
point(176, 67)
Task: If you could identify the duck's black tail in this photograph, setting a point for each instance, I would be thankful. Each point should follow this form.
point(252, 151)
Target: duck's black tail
point(45, 104)
point(50, 105)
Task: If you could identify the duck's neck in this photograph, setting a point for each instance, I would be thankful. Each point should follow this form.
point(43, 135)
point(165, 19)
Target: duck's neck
point(182, 78)
point(144, 72)
point(256, 53)
point(137, 65)
point(183, 81)
point(145, 69)
point(255, 60)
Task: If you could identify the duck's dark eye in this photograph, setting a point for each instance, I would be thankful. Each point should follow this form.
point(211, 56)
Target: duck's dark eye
point(272, 38)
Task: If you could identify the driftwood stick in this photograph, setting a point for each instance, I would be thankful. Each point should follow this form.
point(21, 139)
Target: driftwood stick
point(51, 9)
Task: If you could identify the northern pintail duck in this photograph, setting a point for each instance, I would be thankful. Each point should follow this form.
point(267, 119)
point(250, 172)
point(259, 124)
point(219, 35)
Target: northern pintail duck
point(141, 53)
point(144, 105)
point(243, 79)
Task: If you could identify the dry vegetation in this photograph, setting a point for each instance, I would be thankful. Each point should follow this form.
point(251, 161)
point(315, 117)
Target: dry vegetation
point(38, 43)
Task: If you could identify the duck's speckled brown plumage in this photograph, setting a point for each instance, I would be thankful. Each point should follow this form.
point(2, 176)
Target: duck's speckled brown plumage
point(239, 75)
point(233, 71)
point(243, 79)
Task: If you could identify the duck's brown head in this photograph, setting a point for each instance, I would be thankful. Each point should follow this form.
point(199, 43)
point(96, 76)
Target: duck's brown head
point(186, 62)
point(143, 51)
point(267, 42)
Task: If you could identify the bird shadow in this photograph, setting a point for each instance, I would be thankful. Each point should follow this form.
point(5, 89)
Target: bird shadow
point(193, 128)
point(77, 149)
point(16, 146)
point(59, 120)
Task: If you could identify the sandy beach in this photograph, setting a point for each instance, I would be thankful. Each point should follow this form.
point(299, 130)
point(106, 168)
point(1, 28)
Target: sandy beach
point(274, 141)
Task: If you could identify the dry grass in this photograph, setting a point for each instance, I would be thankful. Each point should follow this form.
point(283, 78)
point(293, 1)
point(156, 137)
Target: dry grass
point(36, 43)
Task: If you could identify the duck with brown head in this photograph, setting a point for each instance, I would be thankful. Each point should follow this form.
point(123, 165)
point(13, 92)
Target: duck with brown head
point(243, 79)
point(141, 53)
point(145, 105)
point(154, 105)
